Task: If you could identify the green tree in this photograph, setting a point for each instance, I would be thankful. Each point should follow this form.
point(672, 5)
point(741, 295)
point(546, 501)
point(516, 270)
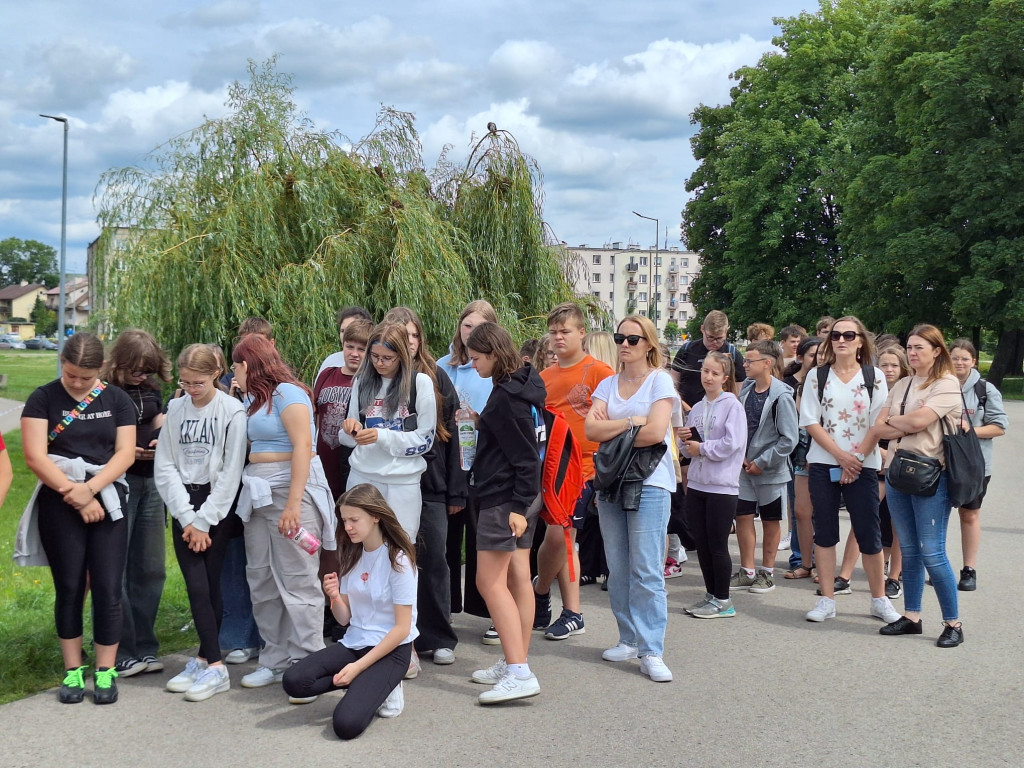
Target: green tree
point(764, 215)
point(933, 203)
point(672, 332)
point(261, 213)
point(27, 260)
point(45, 319)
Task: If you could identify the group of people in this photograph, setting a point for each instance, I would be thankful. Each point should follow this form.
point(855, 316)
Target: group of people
point(347, 510)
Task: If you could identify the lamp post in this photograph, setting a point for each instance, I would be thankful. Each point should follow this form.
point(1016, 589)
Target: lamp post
point(63, 240)
point(656, 288)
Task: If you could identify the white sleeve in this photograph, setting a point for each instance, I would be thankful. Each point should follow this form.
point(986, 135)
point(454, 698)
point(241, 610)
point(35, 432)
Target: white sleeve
point(165, 468)
point(810, 408)
point(353, 413)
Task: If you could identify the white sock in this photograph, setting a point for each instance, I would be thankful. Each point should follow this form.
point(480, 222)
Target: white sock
point(751, 572)
point(769, 571)
point(522, 671)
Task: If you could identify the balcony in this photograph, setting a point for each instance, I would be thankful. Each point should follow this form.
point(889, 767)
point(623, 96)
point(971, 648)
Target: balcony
point(671, 284)
point(631, 266)
point(673, 269)
point(672, 303)
point(631, 285)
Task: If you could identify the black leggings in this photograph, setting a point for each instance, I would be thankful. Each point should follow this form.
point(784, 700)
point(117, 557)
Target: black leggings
point(710, 516)
point(83, 553)
point(201, 571)
point(464, 522)
point(314, 676)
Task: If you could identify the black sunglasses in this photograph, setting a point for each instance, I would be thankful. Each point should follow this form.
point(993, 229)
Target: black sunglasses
point(633, 339)
point(845, 335)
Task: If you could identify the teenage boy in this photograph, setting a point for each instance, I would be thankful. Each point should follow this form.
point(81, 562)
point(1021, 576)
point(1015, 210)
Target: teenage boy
point(790, 338)
point(688, 360)
point(570, 383)
point(772, 433)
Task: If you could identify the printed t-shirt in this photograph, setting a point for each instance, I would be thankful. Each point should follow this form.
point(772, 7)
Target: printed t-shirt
point(569, 392)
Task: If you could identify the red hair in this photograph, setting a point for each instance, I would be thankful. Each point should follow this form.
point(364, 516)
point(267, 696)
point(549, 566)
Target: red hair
point(264, 371)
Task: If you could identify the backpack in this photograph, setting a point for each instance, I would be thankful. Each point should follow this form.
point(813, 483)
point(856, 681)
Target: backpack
point(561, 473)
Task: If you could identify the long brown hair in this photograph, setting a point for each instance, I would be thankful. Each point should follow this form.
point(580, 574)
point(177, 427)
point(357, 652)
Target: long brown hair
point(423, 362)
point(866, 353)
point(492, 339)
point(393, 337)
point(482, 308)
point(943, 363)
point(367, 498)
point(136, 350)
point(264, 370)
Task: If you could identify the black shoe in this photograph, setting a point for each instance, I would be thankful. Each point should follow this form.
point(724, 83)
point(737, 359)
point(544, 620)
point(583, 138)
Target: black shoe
point(541, 609)
point(968, 580)
point(893, 588)
point(130, 666)
point(72, 690)
point(951, 636)
point(104, 686)
point(902, 626)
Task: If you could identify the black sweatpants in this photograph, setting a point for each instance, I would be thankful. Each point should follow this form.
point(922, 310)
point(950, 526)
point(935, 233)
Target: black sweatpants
point(710, 517)
point(464, 523)
point(314, 676)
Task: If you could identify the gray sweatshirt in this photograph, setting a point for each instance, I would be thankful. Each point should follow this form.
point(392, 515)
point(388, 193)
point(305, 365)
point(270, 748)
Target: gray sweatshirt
point(776, 436)
point(992, 413)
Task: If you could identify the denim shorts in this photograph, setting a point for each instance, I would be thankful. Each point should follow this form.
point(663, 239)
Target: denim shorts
point(861, 497)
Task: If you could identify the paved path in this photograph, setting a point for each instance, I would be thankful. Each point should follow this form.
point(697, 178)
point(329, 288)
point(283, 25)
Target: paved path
point(10, 415)
point(765, 688)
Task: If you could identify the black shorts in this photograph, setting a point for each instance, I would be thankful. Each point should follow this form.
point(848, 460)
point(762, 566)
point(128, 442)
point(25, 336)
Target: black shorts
point(493, 533)
point(975, 504)
point(769, 512)
point(585, 504)
point(861, 497)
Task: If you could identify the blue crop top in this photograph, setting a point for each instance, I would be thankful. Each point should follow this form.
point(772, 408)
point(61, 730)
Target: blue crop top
point(266, 430)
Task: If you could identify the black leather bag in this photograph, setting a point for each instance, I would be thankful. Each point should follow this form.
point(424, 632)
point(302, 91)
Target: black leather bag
point(914, 474)
point(965, 464)
point(612, 458)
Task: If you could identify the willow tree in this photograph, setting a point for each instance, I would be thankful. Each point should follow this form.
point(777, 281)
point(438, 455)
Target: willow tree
point(260, 213)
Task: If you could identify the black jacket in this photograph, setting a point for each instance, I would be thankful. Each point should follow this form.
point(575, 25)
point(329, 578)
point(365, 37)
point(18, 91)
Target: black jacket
point(507, 467)
point(444, 480)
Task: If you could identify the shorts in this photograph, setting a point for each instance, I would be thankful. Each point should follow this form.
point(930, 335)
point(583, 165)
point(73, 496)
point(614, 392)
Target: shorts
point(585, 504)
point(975, 504)
point(861, 497)
point(772, 511)
point(493, 533)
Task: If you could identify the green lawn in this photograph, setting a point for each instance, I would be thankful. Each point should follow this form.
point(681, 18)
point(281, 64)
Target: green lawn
point(30, 659)
point(26, 370)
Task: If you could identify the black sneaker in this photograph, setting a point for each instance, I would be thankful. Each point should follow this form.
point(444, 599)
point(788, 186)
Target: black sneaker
point(104, 686)
point(130, 666)
point(893, 588)
point(968, 580)
point(840, 586)
point(72, 689)
point(541, 609)
point(951, 636)
point(153, 664)
point(490, 637)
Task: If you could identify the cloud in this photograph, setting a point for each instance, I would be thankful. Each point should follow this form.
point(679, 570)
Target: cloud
point(225, 13)
point(67, 75)
point(430, 81)
point(518, 64)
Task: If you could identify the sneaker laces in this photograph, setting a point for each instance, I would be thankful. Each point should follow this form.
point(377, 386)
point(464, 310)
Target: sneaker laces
point(74, 678)
point(105, 678)
point(206, 673)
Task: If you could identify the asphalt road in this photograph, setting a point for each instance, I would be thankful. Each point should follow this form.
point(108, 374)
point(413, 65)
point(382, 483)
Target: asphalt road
point(763, 689)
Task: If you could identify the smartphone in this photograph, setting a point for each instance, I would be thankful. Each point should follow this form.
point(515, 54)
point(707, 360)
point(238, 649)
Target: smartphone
point(835, 474)
point(695, 435)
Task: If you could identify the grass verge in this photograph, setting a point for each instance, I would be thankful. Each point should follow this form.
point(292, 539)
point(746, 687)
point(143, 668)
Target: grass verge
point(26, 370)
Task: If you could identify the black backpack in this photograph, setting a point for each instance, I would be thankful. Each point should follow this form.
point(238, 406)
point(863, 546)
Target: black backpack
point(867, 371)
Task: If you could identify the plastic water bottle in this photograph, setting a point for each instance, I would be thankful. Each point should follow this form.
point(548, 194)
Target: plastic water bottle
point(306, 540)
point(465, 425)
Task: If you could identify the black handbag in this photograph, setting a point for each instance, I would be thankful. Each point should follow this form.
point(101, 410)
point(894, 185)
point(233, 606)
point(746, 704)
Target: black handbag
point(911, 472)
point(965, 463)
point(612, 458)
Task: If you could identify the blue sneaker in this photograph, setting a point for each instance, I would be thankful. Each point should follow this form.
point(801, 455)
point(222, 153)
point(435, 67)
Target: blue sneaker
point(567, 624)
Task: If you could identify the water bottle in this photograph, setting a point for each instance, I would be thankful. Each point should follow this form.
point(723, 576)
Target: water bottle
point(466, 427)
point(305, 539)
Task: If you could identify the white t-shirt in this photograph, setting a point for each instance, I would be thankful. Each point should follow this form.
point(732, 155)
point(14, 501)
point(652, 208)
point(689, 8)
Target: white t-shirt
point(374, 588)
point(844, 412)
point(657, 386)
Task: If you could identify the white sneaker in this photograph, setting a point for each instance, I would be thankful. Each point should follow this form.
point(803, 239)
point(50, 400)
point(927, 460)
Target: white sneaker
point(262, 677)
point(882, 609)
point(414, 666)
point(393, 704)
point(492, 675)
point(825, 608)
point(241, 655)
point(621, 652)
point(210, 681)
point(784, 542)
point(444, 656)
point(511, 688)
point(655, 668)
point(182, 681)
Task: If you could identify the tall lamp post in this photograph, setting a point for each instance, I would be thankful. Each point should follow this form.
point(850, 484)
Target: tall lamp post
point(656, 288)
point(63, 239)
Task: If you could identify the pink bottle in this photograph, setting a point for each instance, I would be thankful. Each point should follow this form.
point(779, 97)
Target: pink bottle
point(306, 540)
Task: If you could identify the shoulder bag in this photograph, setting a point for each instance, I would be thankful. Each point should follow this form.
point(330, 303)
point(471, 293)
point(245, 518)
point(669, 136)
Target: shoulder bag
point(965, 464)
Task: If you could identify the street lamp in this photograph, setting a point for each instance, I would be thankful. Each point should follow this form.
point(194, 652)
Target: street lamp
point(656, 288)
point(63, 240)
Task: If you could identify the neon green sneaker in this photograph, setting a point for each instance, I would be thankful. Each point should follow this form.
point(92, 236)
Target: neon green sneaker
point(104, 687)
point(72, 689)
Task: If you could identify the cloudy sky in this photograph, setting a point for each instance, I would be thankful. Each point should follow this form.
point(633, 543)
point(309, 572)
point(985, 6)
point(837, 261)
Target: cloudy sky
point(599, 92)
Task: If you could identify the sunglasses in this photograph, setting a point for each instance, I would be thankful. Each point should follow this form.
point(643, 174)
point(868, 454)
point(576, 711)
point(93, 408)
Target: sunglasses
point(633, 339)
point(845, 335)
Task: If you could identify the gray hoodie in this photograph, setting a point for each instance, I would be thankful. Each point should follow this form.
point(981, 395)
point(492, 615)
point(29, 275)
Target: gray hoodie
point(992, 413)
point(776, 435)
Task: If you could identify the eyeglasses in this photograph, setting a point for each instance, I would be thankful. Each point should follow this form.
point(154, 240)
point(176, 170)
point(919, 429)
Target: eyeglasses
point(192, 384)
point(844, 335)
point(633, 339)
point(752, 360)
point(383, 359)
point(140, 374)
point(714, 339)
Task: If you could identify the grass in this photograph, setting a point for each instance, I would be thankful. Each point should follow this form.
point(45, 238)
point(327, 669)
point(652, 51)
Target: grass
point(30, 659)
point(26, 370)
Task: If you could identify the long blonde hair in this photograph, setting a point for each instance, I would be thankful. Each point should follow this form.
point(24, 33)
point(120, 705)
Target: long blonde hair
point(480, 307)
point(601, 346)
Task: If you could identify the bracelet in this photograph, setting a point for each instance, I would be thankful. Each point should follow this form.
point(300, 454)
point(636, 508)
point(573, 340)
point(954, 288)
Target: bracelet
point(630, 419)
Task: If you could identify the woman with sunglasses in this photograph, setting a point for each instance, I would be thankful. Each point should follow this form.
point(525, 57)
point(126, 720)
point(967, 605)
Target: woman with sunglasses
point(640, 394)
point(199, 463)
point(138, 365)
point(838, 417)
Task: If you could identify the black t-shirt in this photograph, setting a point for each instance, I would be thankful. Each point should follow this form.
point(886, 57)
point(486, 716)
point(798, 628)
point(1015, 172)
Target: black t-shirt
point(93, 433)
point(687, 363)
point(754, 406)
point(148, 404)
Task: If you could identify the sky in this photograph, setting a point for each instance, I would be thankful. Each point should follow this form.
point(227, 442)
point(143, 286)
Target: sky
point(599, 92)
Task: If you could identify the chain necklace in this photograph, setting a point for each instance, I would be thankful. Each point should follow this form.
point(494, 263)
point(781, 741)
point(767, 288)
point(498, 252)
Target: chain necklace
point(635, 379)
point(138, 407)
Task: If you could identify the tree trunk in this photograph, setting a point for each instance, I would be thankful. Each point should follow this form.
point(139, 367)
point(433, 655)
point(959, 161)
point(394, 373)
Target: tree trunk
point(1009, 356)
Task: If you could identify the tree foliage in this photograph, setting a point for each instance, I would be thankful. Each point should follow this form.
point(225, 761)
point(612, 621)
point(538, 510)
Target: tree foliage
point(44, 319)
point(29, 261)
point(260, 213)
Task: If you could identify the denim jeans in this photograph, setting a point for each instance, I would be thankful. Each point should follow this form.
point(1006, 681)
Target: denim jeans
point(238, 627)
point(634, 545)
point(920, 523)
point(144, 570)
point(433, 590)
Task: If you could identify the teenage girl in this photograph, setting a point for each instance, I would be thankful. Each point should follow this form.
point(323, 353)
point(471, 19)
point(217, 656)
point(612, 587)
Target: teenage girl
point(715, 440)
point(374, 594)
point(198, 467)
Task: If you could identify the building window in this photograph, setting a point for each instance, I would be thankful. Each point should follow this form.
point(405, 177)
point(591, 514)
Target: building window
point(611, 295)
point(643, 279)
point(685, 297)
point(643, 261)
point(643, 295)
point(657, 279)
point(683, 280)
point(596, 277)
point(685, 262)
point(597, 259)
point(611, 277)
point(657, 261)
point(597, 294)
point(657, 297)
point(643, 313)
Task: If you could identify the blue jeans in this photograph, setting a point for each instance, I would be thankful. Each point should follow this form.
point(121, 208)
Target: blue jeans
point(634, 546)
point(144, 569)
point(921, 522)
point(238, 627)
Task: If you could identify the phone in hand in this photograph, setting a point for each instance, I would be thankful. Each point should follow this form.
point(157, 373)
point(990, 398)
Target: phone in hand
point(835, 474)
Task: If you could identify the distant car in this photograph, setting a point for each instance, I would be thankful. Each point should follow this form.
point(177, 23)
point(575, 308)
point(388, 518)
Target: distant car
point(37, 343)
point(50, 345)
point(11, 341)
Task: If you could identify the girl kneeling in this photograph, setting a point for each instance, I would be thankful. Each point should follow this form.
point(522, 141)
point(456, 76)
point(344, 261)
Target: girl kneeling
point(374, 593)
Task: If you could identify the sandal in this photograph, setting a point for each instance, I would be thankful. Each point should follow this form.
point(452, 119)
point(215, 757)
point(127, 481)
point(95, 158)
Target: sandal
point(800, 572)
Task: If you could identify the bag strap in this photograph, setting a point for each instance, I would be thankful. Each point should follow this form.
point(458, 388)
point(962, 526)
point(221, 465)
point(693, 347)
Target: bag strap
point(903, 404)
point(78, 409)
point(981, 392)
